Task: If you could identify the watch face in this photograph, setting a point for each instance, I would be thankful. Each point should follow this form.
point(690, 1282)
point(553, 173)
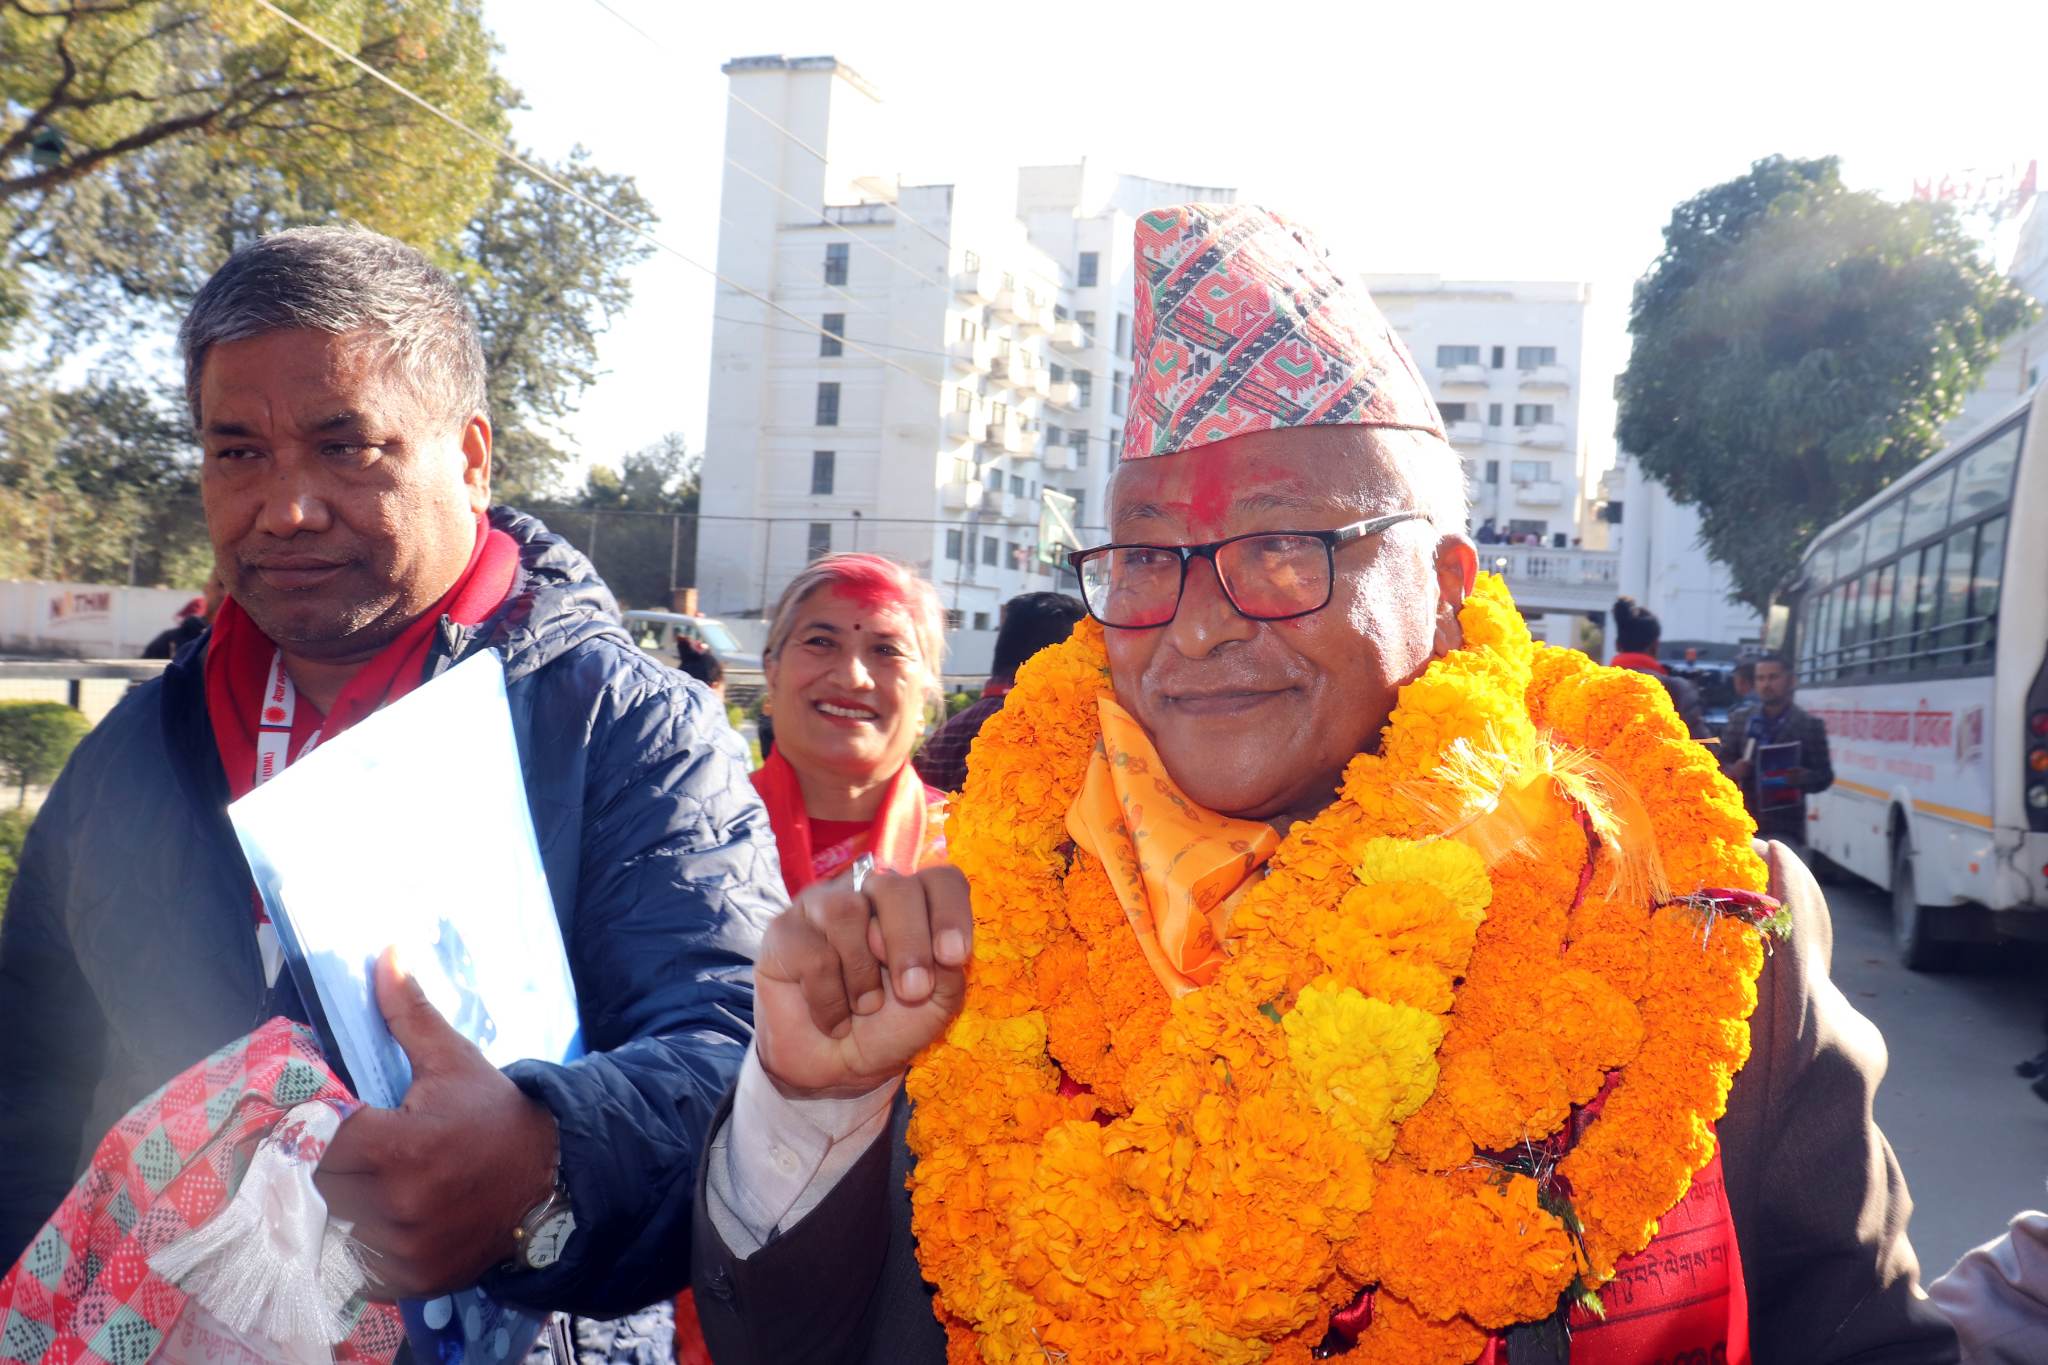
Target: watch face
point(544, 1246)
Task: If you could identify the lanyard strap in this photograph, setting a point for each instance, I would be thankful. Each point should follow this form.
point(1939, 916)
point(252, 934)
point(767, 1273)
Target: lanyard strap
point(274, 714)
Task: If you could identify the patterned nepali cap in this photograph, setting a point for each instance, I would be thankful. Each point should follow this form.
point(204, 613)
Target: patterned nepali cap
point(1243, 326)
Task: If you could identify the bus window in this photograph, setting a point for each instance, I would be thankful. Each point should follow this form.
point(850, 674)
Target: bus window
point(1984, 477)
point(1954, 607)
point(1904, 610)
point(1821, 569)
point(1849, 550)
point(1984, 587)
point(1881, 626)
point(1927, 506)
point(1885, 524)
point(1855, 625)
point(1927, 581)
point(1826, 652)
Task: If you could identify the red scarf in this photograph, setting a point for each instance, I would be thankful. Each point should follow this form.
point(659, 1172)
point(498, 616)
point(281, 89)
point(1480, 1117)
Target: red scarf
point(1641, 663)
point(896, 838)
point(239, 657)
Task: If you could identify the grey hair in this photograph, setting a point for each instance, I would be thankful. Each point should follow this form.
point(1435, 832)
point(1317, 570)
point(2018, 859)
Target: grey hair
point(344, 281)
point(920, 600)
point(1435, 474)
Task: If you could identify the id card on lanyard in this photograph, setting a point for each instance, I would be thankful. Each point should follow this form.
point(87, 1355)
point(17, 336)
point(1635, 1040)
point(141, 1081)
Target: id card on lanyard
point(274, 715)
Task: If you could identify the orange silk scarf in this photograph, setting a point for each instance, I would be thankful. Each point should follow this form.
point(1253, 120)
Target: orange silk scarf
point(1177, 869)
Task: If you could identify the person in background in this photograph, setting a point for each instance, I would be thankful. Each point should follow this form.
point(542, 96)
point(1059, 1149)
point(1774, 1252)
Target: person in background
point(1743, 680)
point(1488, 533)
point(852, 661)
point(701, 662)
point(1031, 622)
point(192, 621)
point(1772, 718)
point(336, 385)
point(1638, 632)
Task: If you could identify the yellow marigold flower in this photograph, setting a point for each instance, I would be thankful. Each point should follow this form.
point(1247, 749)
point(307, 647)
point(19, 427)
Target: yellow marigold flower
point(1365, 1063)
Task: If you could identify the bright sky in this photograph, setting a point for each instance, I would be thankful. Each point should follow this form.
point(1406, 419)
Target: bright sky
point(1477, 140)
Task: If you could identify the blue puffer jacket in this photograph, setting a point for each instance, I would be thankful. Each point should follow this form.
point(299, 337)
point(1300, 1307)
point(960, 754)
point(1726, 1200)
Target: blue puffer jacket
point(127, 951)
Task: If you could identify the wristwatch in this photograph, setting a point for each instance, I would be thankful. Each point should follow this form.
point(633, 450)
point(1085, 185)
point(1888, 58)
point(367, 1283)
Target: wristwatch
point(546, 1228)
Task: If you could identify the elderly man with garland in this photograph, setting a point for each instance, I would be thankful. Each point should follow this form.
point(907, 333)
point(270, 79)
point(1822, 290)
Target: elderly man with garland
point(1345, 975)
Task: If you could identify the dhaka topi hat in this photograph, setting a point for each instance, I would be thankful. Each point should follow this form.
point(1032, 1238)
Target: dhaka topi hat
point(1243, 325)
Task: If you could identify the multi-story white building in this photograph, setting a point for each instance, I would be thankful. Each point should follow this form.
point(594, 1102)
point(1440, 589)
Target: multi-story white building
point(978, 353)
point(1506, 362)
point(1662, 563)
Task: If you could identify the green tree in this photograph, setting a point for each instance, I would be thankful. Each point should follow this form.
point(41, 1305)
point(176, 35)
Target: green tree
point(1798, 345)
point(97, 484)
point(243, 116)
point(546, 274)
point(35, 739)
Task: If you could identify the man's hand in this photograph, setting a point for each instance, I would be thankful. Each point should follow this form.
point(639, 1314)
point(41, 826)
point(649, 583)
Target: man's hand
point(1797, 777)
point(1738, 771)
point(851, 985)
point(436, 1186)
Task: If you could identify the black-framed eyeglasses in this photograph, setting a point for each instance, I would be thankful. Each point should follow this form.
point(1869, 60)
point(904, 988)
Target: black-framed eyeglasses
point(1266, 575)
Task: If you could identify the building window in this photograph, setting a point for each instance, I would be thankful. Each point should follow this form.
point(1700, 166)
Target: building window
point(1086, 318)
point(1493, 471)
point(1119, 387)
point(1080, 497)
point(1500, 355)
point(1116, 444)
point(1079, 441)
point(1055, 436)
point(1531, 471)
point(821, 540)
point(955, 543)
point(1018, 560)
point(832, 341)
point(1519, 528)
point(963, 400)
point(1529, 357)
point(1455, 412)
point(1447, 356)
point(1493, 414)
point(1534, 414)
point(821, 471)
point(828, 403)
point(1123, 335)
point(1016, 485)
point(1090, 267)
point(835, 262)
point(981, 620)
point(991, 551)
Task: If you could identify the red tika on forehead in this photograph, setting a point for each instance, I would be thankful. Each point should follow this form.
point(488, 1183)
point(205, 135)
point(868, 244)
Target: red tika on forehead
point(871, 582)
point(1243, 326)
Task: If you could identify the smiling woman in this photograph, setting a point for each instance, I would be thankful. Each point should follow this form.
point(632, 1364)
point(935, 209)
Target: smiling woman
point(852, 659)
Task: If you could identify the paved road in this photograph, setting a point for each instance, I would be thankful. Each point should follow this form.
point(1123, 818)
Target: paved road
point(1971, 1135)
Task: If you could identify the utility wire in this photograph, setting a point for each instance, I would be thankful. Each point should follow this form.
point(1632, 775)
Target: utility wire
point(505, 152)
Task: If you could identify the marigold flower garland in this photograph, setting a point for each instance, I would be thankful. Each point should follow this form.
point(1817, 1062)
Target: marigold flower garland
point(1435, 970)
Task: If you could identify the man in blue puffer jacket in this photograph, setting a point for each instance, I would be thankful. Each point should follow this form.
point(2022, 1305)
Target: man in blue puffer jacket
point(336, 384)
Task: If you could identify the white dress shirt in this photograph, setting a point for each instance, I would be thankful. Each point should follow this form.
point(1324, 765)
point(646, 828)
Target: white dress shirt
point(776, 1158)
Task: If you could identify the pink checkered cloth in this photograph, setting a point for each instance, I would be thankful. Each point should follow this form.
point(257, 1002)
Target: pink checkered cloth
point(1244, 325)
point(83, 1292)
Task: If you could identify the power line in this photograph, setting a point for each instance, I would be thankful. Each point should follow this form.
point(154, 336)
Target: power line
point(826, 218)
point(504, 151)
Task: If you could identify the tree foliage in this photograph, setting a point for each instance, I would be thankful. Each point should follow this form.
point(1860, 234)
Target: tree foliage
point(35, 739)
point(104, 104)
point(546, 273)
point(97, 484)
point(1799, 345)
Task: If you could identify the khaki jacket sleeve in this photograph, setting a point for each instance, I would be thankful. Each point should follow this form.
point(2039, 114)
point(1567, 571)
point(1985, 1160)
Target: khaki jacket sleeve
point(1819, 1202)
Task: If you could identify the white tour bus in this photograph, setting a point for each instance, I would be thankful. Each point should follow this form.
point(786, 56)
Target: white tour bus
point(1917, 627)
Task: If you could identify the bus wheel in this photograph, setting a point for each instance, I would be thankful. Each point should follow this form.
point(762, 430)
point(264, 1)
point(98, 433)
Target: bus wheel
point(1912, 925)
